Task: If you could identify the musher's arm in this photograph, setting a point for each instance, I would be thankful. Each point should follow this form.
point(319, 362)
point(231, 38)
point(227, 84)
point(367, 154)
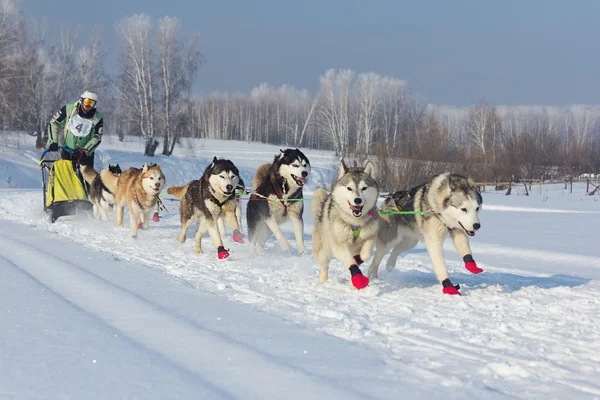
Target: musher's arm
point(57, 120)
point(96, 139)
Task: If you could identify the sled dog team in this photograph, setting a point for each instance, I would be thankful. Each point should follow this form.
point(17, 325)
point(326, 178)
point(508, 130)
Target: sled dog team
point(348, 224)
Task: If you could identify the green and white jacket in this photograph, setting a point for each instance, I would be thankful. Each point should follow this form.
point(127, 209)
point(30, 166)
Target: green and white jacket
point(72, 128)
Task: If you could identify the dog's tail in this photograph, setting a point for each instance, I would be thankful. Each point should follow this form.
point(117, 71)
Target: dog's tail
point(319, 197)
point(89, 174)
point(261, 174)
point(109, 179)
point(178, 191)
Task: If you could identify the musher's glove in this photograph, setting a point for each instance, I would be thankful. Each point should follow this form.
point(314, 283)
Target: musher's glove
point(53, 147)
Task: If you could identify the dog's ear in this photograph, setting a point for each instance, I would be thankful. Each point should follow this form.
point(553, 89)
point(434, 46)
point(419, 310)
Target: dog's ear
point(281, 154)
point(343, 168)
point(370, 169)
point(212, 164)
point(145, 168)
point(471, 183)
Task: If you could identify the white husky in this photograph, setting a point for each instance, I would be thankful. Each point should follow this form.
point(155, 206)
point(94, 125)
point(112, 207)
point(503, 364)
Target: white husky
point(346, 221)
point(451, 204)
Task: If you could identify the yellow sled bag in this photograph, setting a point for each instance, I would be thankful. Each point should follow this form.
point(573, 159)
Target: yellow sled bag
point(63, 184)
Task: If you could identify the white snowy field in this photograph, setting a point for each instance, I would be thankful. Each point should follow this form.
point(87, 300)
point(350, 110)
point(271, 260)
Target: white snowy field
point(88, 312)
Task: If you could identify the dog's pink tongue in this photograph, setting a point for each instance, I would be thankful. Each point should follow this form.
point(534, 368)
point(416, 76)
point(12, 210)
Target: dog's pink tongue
point(472, 267)
point(355, 208)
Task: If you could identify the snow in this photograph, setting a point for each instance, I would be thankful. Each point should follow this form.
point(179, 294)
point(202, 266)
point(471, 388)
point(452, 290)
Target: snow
point(89, 312)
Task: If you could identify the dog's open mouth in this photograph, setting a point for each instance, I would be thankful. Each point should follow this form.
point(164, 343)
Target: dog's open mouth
point(228, 193)
point(356, 210)
point(468, 232)
point(299, 181)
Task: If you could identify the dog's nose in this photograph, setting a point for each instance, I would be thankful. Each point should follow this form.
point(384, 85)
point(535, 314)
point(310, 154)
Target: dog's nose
point(229, 188)
point(304, 174)
point(357, 200)
point(476, 226)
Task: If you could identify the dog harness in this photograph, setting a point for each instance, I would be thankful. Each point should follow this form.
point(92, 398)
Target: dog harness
point(356, 228)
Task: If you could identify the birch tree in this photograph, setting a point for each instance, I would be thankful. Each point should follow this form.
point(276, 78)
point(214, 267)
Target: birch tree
point(137, 76)
point(178, 66)
point(334, 108)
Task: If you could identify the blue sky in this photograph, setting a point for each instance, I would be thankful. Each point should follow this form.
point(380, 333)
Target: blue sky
point(454, 52)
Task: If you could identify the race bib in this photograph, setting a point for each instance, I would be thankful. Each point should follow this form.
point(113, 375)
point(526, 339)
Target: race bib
point(78, 126)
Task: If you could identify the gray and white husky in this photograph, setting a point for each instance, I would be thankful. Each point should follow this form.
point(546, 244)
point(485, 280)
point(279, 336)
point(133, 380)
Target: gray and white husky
point(276, 197)
point(451, 204)
point(205, 200)
point(102, 188)
point(346, 221)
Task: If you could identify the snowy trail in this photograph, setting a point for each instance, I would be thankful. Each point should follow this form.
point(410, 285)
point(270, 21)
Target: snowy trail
point(526, 328)
point(511, 325)
point(219, 362)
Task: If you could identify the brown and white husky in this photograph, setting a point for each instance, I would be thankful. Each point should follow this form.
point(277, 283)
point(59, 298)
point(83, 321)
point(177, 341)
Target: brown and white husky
point(138, 189)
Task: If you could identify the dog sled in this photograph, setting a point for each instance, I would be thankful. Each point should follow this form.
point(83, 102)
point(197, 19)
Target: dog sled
point(63, 187)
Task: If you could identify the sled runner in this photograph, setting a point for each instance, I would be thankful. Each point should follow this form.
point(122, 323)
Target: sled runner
point(63, 186)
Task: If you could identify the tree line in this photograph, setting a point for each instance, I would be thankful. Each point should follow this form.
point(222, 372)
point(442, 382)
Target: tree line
point(355, 115)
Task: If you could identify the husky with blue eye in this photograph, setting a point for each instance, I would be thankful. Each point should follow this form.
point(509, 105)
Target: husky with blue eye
point(277, 197)
point(206, 200)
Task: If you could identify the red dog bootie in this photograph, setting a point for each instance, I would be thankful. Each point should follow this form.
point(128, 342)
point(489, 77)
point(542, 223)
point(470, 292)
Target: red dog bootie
point(139, 225)
point(237, 236)
point(449, 288)
point(470, 265)
point(156, 217)
point(359, 281)
point(222, 253)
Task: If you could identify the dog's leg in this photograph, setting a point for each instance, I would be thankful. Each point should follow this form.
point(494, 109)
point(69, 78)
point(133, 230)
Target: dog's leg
point(434, 243)
point(381, 250)
point(274, 226)
point(133, 220)
point(202, 228)
point(103, 212)
point(345, 254)
point(461, 242)
point(95, 210)
point(404, 245)
point(367, 249)
point(238, 214)
point(321, 253)
point(185, 225)
point(221, 225)
point(213, 231)
point(145, 216)
point(298, 224)
point(119, 214)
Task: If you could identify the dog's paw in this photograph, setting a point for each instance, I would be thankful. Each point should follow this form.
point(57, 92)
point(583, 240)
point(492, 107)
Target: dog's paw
point(222, 253)
point(139, 225)
point(156, 217)
point(450, 288)
point(470, 264)
point(472, 267)
point(301, 250)
point(360, 281)
point(237, 236)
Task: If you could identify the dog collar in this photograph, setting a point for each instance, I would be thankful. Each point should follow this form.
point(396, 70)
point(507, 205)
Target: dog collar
point(137, 201)
point(220, 203)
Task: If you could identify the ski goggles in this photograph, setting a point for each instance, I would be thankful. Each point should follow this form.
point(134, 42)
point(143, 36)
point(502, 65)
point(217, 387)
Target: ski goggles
point(88, 102)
